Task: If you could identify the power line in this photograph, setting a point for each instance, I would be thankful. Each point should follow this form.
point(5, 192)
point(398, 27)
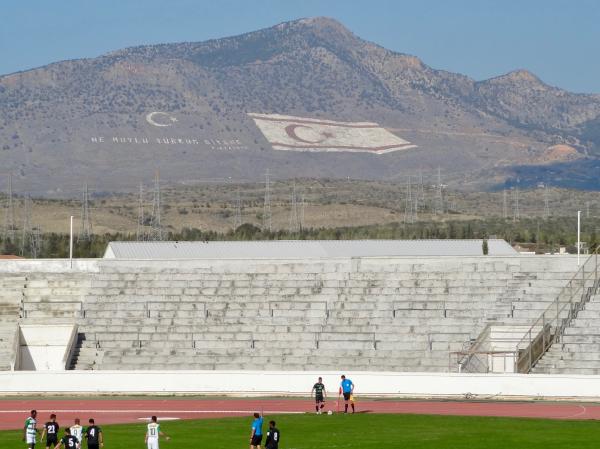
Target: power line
point(141, 221)
point(408, 208)
point(85, 231)
point(237, 218)
point(587, 209)
point(267, 217)
point(439, 203)
point(31, 234)
point(421, 193)
point(416, 204)
point(294, 216)
point(9, 214)
point(35, 242)
point(26, 233)
point(516, 213)
point(546, 203)
point(302, 206)
point(156, 232)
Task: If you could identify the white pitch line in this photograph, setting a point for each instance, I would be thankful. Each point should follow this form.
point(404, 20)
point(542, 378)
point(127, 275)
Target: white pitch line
point(582, 411)
point(281, 412)
point(162, 418)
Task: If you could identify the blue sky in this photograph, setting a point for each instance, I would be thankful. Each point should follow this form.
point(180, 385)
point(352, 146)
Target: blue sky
point(559, 40)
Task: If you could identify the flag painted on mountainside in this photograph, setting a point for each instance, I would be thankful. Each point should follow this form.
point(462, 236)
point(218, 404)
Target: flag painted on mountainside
point(289, 133)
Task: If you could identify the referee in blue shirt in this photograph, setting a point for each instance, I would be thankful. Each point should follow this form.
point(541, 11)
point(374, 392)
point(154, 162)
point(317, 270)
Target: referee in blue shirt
point(256, 435)
point(347, 387)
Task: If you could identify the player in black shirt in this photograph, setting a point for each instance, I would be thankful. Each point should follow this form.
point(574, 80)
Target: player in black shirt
point(320, 394)
point(51, 432)
point(68, 441)
point(273, 437)
point(93, 433)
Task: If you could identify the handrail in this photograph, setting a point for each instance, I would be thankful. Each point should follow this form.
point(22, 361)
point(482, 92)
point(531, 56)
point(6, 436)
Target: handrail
point(483, 365)
point(549, 328)
point(467, 355)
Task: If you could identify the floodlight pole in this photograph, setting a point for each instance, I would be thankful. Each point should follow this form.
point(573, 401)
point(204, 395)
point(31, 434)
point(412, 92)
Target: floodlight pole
point(71, 243)
point(578, 235)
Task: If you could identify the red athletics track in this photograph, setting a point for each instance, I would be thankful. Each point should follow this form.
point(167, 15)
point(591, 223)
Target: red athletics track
point(112, 411)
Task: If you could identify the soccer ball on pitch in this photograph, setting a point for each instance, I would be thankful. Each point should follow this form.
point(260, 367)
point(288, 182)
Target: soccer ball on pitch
point(330, 412)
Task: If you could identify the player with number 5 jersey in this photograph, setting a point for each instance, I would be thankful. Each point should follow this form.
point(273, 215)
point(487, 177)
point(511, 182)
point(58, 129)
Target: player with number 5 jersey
point(68, 441)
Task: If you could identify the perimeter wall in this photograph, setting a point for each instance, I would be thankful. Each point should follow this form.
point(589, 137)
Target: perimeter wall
point(272, 383)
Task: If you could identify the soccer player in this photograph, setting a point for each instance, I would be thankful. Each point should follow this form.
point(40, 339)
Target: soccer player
point(51, 432)
point(347, 388)
point(77, 431)
point(273, 437)
point(94, 436)
point(68, 441)
point(256, 435)
point(320, 394)
point(30, 430)
point(153, 433)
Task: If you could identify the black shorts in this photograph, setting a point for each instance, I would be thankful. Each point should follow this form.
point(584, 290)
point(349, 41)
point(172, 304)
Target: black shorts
point(93, 446)
point(51, 441)
point(347, 396)
point(319, 398)
point(256, 440)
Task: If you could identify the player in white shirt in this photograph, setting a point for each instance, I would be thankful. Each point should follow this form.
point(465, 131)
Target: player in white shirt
point(30, 430)
point(77, 431)
point(153, 433)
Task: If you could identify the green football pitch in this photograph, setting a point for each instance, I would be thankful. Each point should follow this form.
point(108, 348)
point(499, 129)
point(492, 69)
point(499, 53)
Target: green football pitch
point(360, 431)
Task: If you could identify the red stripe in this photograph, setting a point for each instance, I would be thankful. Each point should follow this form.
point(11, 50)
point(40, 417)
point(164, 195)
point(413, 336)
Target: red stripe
point(312, 122)
point(343, 147)
point(96, 406)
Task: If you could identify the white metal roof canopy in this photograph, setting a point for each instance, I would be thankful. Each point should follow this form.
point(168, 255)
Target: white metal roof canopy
point(283, 249)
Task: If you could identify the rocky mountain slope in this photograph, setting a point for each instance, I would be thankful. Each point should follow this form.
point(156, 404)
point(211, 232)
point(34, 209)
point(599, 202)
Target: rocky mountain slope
point(112, 120)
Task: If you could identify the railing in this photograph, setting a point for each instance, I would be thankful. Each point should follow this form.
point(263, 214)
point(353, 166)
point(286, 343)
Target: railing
point(490, 361)
point(550, 326)
point(468, 360)
point(483, 355)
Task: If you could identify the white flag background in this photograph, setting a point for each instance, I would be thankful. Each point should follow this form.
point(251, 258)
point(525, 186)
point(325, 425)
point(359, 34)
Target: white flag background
point(290, 133)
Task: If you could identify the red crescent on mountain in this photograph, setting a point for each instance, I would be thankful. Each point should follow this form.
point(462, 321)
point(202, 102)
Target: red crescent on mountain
point(291, 132)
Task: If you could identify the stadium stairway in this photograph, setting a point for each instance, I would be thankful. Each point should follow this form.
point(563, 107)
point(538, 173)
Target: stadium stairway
point(578, 352)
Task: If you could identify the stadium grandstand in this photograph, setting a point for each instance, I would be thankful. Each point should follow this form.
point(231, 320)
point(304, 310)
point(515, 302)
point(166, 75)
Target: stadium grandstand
point(372, 306)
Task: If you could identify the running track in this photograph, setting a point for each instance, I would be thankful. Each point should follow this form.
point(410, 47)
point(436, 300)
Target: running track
point(112, 411)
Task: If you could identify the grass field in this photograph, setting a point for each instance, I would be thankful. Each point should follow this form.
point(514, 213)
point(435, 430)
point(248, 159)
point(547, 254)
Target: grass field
point(360, 431)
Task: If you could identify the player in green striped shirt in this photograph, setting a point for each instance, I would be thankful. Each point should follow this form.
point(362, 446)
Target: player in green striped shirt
point(153, 433)
point(30, 430)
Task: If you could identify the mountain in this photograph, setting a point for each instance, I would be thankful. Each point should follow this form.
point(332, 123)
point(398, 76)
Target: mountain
point(184, 108)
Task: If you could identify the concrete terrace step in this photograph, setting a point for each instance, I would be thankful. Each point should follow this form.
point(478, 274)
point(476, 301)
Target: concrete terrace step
point(398, 314)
